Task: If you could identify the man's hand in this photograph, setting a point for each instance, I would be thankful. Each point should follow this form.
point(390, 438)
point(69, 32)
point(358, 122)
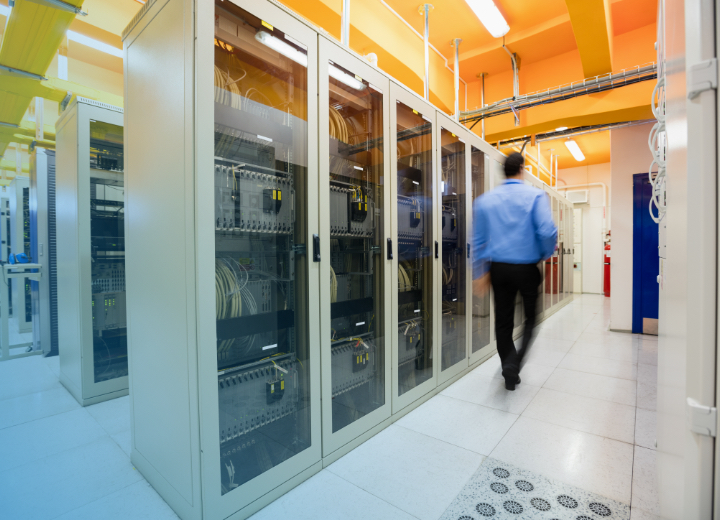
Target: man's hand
point(481, 285)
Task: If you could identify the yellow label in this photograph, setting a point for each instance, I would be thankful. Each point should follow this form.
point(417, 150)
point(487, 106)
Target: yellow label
point(417, 215)
point(410, 339)
point(272, 389)
point(358, 77)
point(365, 198)
point(279, 195)
point(282, 385)
point(365, 207)
point(452, 134)
point(274, 195)
point(359, 206)
point(415, 112)
point(367, 357)
point(358, 360)
point(265, 24)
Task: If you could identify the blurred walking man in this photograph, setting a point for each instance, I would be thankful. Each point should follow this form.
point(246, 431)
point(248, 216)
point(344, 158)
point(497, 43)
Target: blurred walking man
point(513, 231)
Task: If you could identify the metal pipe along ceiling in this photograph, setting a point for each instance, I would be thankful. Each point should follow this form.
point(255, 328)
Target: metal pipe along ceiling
point(563, 92)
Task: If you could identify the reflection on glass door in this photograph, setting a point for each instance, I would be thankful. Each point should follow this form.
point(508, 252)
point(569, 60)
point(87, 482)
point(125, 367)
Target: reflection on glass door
point(414, 225)
point(454, 239)
point(356, 233)
point(480, 303)
point(549, 278)
point(107, 246)
point(261, 266)
point(561, 251)
point(555, 256)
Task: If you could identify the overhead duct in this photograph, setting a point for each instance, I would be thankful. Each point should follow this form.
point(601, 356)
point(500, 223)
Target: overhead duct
point(570, 132)
point(456, 43)
point(561, 93)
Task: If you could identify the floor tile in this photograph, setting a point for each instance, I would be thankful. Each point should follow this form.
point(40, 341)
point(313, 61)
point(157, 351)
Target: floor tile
point(542, 355)
point(646, 395)
point(416, 473)
point(647, 352)
point(599, 366)
point(604, 418)
point(326, 495)
point(544, 343)
point(644, 485)
point(607, 338)
point(621, 391)
point(30, 407)
point(112, 415)
point(531, 374)
point(639, 514)
point(123, 440)
point(461, 423)
point(647, 374)
point(501, 490)
point(68, 480)
point(36, 440)
point(24, 376)
point(53, 363)
point(491, 392)
point(596, 464)
point(138, 501)
point(625, 353)
point(559, 333)
point(645, 428)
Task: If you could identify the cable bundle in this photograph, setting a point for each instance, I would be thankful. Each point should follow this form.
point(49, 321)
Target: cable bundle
point(338, 126)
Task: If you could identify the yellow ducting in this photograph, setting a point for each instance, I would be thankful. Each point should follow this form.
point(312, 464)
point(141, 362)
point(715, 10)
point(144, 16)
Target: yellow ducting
point(32, 36)
point(592, 24)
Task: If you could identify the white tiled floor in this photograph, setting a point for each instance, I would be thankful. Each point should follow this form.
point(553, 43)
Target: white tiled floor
point(584, 414)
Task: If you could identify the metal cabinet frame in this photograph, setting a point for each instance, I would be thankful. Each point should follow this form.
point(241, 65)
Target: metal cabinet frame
point(75, 318)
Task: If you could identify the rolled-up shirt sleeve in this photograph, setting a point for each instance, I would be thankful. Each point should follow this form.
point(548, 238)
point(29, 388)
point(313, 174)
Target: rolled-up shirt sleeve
point(545, 230)
point(480, 240)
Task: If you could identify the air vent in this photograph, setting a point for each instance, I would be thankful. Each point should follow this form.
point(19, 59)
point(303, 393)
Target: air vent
point(577, 196)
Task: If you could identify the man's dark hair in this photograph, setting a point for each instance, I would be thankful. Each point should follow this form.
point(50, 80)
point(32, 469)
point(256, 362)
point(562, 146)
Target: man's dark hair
point(513, 164)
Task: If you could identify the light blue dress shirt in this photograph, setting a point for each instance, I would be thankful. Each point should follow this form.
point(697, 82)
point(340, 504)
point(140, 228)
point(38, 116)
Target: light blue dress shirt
point(512, 224)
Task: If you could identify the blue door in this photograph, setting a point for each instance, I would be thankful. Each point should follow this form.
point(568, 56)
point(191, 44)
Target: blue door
point(645, 255)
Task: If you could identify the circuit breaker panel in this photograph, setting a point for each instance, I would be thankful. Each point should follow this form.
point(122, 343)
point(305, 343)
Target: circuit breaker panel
point(260, 181)
point(414, 249)
point(454, 246)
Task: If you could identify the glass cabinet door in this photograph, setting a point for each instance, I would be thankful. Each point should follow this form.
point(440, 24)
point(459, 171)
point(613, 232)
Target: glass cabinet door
point(261, 254)
point(555, 257)
point(454, 239)
point(480, 328)
point(548, 272)
point(353, 191)
point(561, 250)
point(107, 249)
point(414, 248)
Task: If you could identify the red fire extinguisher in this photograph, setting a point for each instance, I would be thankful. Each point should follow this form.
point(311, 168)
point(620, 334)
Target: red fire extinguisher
point(606, 263)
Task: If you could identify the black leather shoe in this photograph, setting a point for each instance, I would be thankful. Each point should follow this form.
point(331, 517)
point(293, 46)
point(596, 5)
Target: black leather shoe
point(511, 386)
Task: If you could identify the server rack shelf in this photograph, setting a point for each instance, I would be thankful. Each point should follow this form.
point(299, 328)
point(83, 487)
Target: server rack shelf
point(90, 216)
point(297, 200)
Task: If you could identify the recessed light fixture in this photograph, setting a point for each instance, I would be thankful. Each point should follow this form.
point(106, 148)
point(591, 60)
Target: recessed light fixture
point(490, 16)
point(347, 79)
point(574, 150)
point(94, 44)
point(283, 48)
point(561, 128)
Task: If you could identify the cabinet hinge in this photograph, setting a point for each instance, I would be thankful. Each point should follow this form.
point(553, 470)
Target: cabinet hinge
point(701, 419)
point(701, 77)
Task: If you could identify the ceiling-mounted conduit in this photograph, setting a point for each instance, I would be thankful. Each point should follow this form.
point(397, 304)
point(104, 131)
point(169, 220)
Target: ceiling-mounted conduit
point(563, 92)
point(403, 20)
point(571, 132)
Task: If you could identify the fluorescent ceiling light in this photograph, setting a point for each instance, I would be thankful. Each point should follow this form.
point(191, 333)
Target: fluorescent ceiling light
point(342, 77)
point(5, 10)
point(575, 150)
point(283, 48)
point(490, 16)
point(561, 128)
point(94, 44)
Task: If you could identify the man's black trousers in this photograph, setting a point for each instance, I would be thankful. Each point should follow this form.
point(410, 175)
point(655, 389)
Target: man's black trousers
point(507, 280)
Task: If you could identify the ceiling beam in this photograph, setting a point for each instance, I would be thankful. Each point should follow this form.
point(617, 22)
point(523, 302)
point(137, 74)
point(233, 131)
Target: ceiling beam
point(592, 25)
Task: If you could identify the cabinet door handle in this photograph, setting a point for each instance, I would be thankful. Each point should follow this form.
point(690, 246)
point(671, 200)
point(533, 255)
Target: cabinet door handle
point(389, 249)
point(437, 250)
point(468, 250)
point(316, 248)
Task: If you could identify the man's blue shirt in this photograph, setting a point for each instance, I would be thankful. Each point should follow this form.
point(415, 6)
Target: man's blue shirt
point(512, 224)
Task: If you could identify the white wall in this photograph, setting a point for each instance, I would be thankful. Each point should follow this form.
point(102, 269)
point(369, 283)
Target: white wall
point(595, 217)
point(629, 154)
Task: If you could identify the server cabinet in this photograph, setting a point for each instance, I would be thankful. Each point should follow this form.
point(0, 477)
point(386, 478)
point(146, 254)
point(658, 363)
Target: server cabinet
point(90, 218)
point(20, 243)
point(356, 248)
point(416, 297)
point(482, 330)
point(226, 373)
point(452, 207)
point(43, 242)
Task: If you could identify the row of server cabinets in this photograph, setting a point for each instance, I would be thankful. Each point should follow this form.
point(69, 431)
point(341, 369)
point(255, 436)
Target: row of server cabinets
point(298, 235)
